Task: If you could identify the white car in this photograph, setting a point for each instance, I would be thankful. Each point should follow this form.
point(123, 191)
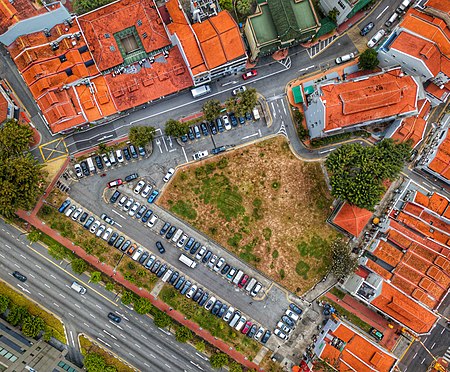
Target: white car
point(376, 38)
point(169, 175)
point(259, 333)
point(212, 261)
point(200, 154)
point(106, 160)
point(200, 253)
point(278, 332)
point(284, 327)
point(100, 231)
point(94, 226)
point(139, 187)
point(78, 171)
point(241, 89)
point(137, 254)
point(228, 314)
point(122, 200)
point(151, 222)
point(182, 241)
point(70, 210)
point(127, 205)
point(226, 121)
point(219, 264)
point(134, 209)
point(292, 315)
point(119, 156)
point(107, 234)
point(146, 192)
point(209, 304)
point(191, 291)
point(77, 214)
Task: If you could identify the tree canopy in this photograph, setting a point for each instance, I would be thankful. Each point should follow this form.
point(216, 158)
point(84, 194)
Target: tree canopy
point(142, 305)
point(343, 262)
point(84, 6)
point(211, 109)
point(357, 173)
point(243, 102)
point(21, 176)
point(218, 360)
point(183, 334)
point(79, 266)
point(176, 128)
point(32, 326)
point(368, 60)
point(141, 135)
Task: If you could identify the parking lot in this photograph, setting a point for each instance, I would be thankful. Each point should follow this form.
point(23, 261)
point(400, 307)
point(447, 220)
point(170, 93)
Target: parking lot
point(91, 193)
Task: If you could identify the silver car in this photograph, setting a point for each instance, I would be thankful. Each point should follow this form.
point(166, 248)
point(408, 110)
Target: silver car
point(134, 209)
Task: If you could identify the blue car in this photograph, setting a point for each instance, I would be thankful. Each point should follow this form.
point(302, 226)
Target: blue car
point(64, 206)
point(141, 151)
point(189, 244)
point(241, 120)
point(146, 216)
point(233, 119)
point(191, 134)
point(153, 196)
point(184, 138)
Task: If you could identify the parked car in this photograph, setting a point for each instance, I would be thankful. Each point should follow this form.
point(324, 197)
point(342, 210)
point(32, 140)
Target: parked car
point(141, 212)
point(174, 277)
point(146, 216)
point(200, 253)
point(131, 177)
point(219, 264)
point(376, 38)
point(252, 331)
point(141, 151)
point(77, 214)
point(204, 298)
point(191, 134)
point(212, 127)
point(225, 269)
point(278, 332)
point(231, 273)
point(284, 328)
point(295, 309)
point(119, 242)
point(128, 204)
point(106, 160)
point(233, 119)
point(150, 261)
point(229, 313)
point(189, 244)
point(89, 222)
point(243, 281)
point(119, 156)
point(292, 315)
point(259, 333)
point(155, 267)
point(220, 126)
point(64, 206)
point(114, 197)
point(126, 153)
point(140, 185)
point(78, 170)
point(249, 74)
point(169, 175)
point(146, 191)
point(210, 303)
point(186, 287)
point(197, 295)
point(204, 129)
point(152, 221)
point(191, 291)
point(101, 229)
point(115, 183)
point(367, 28)
point(226, 122)
point(133, 152)
point(216, 308)
point(83, 217)
point(107, 234)
point(236, 91)
point(288, 321)
point(122, 201)
point(113, 238)
point(222, 310)
point(125, 246)
point(247, 327)
point(153, 196)
point(134, 209)
point(266, 336)
point(195, 248)
point(107, 219)
point(170, 233)
point(200, 155)
point(212, 261)
point(85, 168)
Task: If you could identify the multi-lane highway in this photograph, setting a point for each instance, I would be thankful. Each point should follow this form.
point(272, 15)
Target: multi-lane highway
point(136, 339)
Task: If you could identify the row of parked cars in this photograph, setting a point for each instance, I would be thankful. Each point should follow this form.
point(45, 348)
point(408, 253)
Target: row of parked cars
point(142, 188)
point(99, 162)
point(288, 322)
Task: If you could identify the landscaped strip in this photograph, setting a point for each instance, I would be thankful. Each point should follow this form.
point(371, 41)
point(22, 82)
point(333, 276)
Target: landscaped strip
point(55, 326)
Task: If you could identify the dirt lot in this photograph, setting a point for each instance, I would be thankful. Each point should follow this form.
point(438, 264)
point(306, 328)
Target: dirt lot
point(263, 204)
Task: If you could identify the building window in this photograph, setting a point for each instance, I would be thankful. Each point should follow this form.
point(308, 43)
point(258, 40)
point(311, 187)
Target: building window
point(341, 4)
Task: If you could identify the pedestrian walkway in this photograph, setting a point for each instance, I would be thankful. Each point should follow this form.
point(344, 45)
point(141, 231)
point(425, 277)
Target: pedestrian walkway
point(317, 48)
point(446, 356)
point(32, 219)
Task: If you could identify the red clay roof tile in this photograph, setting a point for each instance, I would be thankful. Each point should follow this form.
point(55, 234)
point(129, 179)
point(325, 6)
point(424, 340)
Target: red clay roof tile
point(352, 219)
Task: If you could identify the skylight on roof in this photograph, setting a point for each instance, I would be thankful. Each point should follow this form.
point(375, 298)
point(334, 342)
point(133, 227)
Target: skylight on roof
point(139, 22)
point(112, 48)
point(107, 36)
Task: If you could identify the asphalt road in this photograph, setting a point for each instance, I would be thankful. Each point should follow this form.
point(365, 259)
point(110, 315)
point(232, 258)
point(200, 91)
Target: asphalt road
point(136, 338)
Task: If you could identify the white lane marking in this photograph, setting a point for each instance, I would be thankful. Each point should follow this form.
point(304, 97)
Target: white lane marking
point(165, 145)
point(87, 325)
point(54, 277)
point(185, 156)
point(108, 326)
point(167, 365)
point(432, 346)
point(118, 224)
point(250, 135)
point(126, 325)
point(201, 356)
point(132, 355)
point(110, 334)
point(71, 338)
point(2, 256)
point(174, 357)
point(122, 335)
point(423, 361)
point(284, 107)
point(414, 356)
point(92, 316)
point(31, 275)
point(195, 364)
point(328, 150)
point(118, 326)
point(443, 330)
point(137, 346)
point(144, 337)
point(116, 345)
point(38, 267)
point(73, 316)
point(46, 285)
point(158, 346)
point(123, 316)
point(118, 214)
point(76, 305)
point(7, 246)
point(17, 265)
point(23, 289)
point(146, 364)
point(103, 342)
point(23, 256)
point(98, 306)
point(152, 356)
point(55, 304)
point(273, 110)
point(62, 295)
point(40, 294)
point(379, 15)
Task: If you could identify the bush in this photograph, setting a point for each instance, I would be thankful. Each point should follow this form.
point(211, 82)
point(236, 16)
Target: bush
point(79, 266)
point(218, 360)
point(183, 334)
point(161, 320)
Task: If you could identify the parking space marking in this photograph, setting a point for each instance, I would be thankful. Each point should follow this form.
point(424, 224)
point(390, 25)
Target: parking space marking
point(118, 214)
point(185, 156)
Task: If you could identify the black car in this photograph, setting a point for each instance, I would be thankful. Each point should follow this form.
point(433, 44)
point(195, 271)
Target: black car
point(225, 269)
point(155, 266)
point(125, 245)
point(184, 138)
point(218, 150)
point(195, 248)
point(143, 257)
point(114, 197)
point(174, 277)
point(233, 119)
point(98, 161)
point(206, 257)
point(85, 168)
point(204, 129)
point(185, 288)
point(114, 317)
point(241, 120)
point(220, 126)
point(251, 333)
point(216, 308)
point(131, 177)
point(164, 228)
point(141, 151)
point(295, 309)
point(203, 299)
point(160, 247)
point(171, 232)
point(141, 212)
point(191, 134)
point(179, 283)
point(119, 242)
point(126, 152)
point(266, 337)
point(147, 215)
point(113, 238)
point(288, 321)
point(83, 217)
point(89, 222)
point(189, 244)
point(149, 263)
point(212, 127)
point(222, 310)
point(133, 151)
point(161, 271)
point(248, 116)
point(197, 295)
point(19, 276)
point(367, 29)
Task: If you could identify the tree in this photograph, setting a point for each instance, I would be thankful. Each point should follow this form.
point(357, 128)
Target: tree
point(218, 360)
point(211, 109)
point(21, 176)
point(142, 305)
point(226, 4)
point(141, 135)
point(161, 320)
point(343, 263)
point(357, 173)
point(109, 286)
point(34, 236)
point(102, 148)
point(32, 326)
point(16, 315)
point(183, 334)
point(128, 297)
point(246, 101)
point(96, 276)
point(4, 303)
point(83, 6)
point(79, 266)
point(175, 128)
point(368, 60)
point(235, 367)
point(231, 104)
point(200, 346)
point(58, 251)
point(94, 362)
point(244, 7)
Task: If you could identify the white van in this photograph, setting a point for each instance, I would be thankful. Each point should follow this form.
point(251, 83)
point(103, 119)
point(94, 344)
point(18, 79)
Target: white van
point(200, 91)
point(402, 7)
point(256, 114)
point(119, 156)
point(112, 159)
point(167, 275)
point(177, 235)
point(345, 58)
point(235, 319)
point(78, 288)
point(238, 277)
point(391, 20)
point(137, 254)
point(250, 284)
point(90, 165)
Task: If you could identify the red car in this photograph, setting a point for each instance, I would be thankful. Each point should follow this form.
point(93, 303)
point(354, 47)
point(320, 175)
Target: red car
point(243, 281)
point(115, 183)
point(247, 327)
point(249, 74)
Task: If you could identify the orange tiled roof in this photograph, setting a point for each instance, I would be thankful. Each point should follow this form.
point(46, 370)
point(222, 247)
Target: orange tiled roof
point(442, 5)
point(358, 354)
point(352, 219)
point(379, 270)
point(388, 253)
point(406, 311)
point(99, 27)
point(413, 127)
point(3, 109)
point(441, 162)
point(379, 96)
point(436, 91)
point(12, 12)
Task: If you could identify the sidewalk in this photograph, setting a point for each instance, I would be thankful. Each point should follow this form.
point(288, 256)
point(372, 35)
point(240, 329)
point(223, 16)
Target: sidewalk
point(108, 270)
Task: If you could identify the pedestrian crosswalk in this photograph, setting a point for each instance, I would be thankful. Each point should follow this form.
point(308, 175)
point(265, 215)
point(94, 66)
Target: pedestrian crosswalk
point(317, 48)
point(446, 356)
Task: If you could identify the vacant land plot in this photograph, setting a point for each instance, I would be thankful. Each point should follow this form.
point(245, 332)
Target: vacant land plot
point(263, 204)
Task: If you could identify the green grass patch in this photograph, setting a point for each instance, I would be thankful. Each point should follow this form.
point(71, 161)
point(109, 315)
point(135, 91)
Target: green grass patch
point(217, 327)
point(302, 269)
point(184, 209)
point(33, 308)
point(350, 316)
point(317, 247)
point(235, 240)
point(275, 254)
point(267, 233)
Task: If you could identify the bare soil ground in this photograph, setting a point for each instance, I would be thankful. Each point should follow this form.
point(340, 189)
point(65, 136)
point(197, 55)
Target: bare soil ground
point(263, 204)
